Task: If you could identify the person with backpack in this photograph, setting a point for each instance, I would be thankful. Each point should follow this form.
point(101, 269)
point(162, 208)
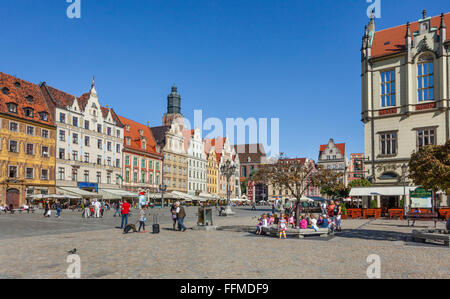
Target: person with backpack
point(125, 211)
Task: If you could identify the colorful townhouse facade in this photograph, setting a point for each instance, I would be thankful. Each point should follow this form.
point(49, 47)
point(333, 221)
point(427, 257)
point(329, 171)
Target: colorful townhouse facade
point(142, 158)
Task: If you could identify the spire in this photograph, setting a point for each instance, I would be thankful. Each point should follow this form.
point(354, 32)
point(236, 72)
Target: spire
point(93, 91)
point(174, 101)
point(424, 14)
point(408, 30)
point(442, 22)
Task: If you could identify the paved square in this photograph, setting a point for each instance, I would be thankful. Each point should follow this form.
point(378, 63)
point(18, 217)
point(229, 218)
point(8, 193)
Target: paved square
point(34, 247)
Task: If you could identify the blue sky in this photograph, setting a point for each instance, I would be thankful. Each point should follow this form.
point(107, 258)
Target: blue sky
point(295, 60)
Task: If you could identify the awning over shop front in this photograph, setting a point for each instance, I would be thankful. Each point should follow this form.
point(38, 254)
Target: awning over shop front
point(79, 192)
point(382, 191)
point(117, 193)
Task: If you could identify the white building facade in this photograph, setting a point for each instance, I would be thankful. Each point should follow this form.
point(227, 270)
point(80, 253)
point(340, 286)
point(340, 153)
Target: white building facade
point(196, 162)
point(89, 142)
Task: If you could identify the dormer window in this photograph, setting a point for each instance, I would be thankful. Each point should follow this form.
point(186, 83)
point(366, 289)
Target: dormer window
point(128, 128)
point(144, 144)
point(43, 116)
point(128, 141)
point(28, 112)
point(141, 132)
point(17, 84)
point(5, 91)
point(12, 107)
point(29, 99)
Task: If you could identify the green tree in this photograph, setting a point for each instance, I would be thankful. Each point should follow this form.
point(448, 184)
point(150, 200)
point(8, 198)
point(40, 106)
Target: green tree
point(430, 167)
point(360, 183)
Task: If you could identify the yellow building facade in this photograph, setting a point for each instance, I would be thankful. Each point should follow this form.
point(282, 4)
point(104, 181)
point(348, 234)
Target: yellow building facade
point(27, 142)
point(212, 172)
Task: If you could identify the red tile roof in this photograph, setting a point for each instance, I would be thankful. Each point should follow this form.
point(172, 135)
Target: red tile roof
point(340, 146)
point(217, 143)
point(396, 37)
point(254, 151)
point(136, 137)
point(18, 91)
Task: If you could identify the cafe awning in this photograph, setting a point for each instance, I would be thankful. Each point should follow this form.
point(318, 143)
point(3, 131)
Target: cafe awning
point(78, 192)
point(117, 193)
point(382, 191)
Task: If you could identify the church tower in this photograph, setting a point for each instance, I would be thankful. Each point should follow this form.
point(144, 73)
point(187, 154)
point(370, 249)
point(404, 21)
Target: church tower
point(173, 108)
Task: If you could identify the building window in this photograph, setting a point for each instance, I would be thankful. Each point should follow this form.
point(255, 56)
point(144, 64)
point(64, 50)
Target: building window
point(108, 177)
point(118, 163)
point(108, 131)
point(30, 130)
point(127, 160)
point(99, 177)
point(118, 133)
point(74, 155)
point(74, 174)
point(118, 148)
point(45, 151)
point(28, 112)
point(99, 128)
point(75, 121)
point(62, 154)
point(86, 157)
point(13, 148)
point(109, 146)
point(62, 135)
point(150, 165)
point(135, 177)
point(99, 144)
point(87, 141)
point(143, 164)
point(425, 83)
point(12, 171)
point(143, 177)
point(75, 138)
point(29, 173)
point(388, 144)
point(86, 124)
point(86, 175)
point(44, 133)
point(127, 176)
point(43, 116)
point(61, 173)
point(62, 118)
point(30, 149)
point(12, 108)
point(144, 145)
point(135, 162)
point(13, 126)
point(44, 174)
point(388, 88)
point(108, 161)
point(426, 137)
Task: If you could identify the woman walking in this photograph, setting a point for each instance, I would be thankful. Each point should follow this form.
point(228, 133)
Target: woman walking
point(173, 211)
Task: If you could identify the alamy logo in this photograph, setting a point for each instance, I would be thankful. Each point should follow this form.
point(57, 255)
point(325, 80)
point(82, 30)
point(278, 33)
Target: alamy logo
point(74, 269)
point(74, 9)
point(374, 269)
point(374, 9)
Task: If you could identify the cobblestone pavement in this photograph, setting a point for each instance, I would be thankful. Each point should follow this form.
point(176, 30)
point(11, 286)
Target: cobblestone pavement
point(106, 253)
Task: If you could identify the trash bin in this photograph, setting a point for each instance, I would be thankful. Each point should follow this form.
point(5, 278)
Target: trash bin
point(205, 216)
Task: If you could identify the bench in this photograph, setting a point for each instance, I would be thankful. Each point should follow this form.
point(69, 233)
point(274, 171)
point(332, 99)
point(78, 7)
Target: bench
point(436, 235)
point(375, 213)
point(396, 213)
point(296, 233)
point(422, 217)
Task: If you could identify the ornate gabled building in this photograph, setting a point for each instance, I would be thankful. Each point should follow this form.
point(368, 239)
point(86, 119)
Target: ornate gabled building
point(89, 142)
point(405, 99)
point(27, 142)
point(332, 156)
point(170, 139)
point(142, 158)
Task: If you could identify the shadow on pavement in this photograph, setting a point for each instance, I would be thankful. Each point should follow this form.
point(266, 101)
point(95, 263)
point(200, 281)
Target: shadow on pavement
point(377, 235)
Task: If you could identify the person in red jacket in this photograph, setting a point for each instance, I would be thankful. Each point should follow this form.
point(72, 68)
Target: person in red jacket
point(125, 211)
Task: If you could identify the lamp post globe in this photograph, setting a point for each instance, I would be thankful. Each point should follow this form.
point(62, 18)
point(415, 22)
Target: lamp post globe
point(228, 170)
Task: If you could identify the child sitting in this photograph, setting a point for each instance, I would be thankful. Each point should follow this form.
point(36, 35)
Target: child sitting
point(258, 227)
point(303, 223)
point(292, 221)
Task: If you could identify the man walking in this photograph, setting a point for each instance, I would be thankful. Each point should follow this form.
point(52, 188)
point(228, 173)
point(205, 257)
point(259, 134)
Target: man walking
point(125, 211)
point(181, 213)
point(58, 209)
point(117, 209)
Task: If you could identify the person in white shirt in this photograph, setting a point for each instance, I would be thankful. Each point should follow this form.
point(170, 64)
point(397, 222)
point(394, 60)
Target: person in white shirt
point(97, 208)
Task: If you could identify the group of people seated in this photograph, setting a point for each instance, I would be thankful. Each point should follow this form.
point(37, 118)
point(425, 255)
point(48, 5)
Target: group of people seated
point(10, 208)
point(307, 221)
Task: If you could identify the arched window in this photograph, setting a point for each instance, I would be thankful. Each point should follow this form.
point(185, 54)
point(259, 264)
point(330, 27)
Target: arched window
point(425, 78)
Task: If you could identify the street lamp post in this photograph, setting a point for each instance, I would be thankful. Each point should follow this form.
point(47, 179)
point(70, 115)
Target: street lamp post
point(162, 187)
point(228, 170)
point(404, 170)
